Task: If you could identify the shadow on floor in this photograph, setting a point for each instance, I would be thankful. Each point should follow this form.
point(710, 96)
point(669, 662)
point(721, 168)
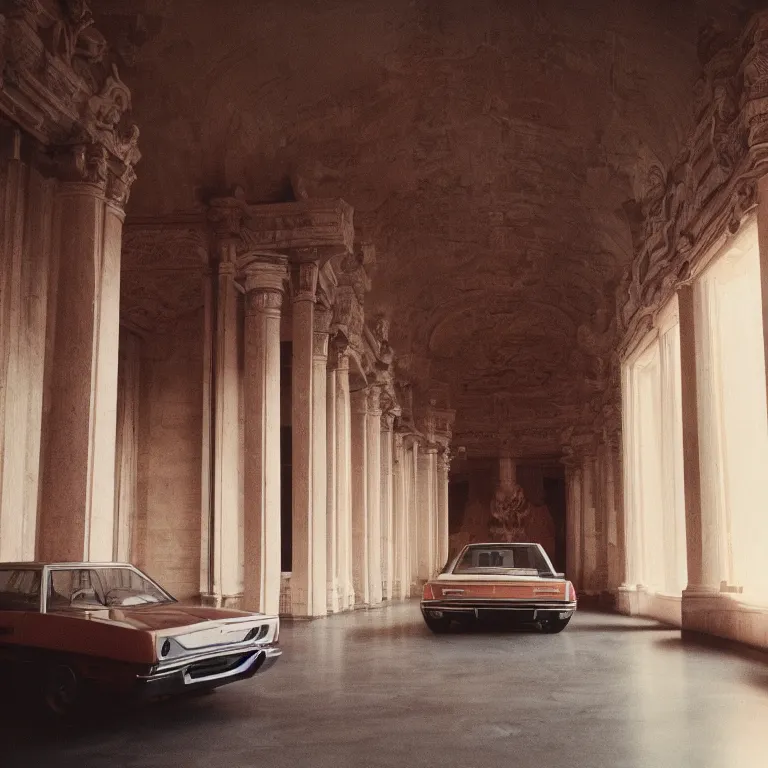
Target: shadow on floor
point(25, 724)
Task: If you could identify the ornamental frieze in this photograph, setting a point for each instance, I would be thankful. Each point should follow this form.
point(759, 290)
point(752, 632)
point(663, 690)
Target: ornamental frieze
point(710, 186)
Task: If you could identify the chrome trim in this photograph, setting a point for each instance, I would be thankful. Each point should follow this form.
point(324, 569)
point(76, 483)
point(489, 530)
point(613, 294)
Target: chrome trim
point(171, 667)
point(474, 604)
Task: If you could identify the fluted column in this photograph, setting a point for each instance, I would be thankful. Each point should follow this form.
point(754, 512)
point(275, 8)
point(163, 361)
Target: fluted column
point(426, 512)
point(78, 489)
point(264, 287)
point(373, 421)
point(400, 520)
point(443, 470)
point(359, 431)
point(308, 562)
point(387, 506)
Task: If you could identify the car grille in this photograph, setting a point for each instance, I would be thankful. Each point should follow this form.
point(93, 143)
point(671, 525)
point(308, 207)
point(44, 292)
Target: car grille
point(217, 666)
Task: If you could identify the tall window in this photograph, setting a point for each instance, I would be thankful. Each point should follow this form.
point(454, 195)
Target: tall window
point(733, 426)
point(654, 460)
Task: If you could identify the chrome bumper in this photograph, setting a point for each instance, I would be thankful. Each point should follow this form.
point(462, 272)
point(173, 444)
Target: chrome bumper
point(209, 670)
point(474, 606)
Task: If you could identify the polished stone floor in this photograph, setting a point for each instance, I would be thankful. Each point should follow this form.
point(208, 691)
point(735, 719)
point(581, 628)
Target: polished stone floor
point(375, 688)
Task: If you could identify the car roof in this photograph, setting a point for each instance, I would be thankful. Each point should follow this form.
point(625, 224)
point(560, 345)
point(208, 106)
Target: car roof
point(36, 565)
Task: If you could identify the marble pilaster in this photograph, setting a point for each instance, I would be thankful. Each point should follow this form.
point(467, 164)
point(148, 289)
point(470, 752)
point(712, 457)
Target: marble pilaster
point(264, 286)
point(443, 470)
point(373, 486)
point(427, 512)
point(306, 554)
point(78, 488)
point(400, 518)
point(359, 516)
point(387, 506)
point(319, 526)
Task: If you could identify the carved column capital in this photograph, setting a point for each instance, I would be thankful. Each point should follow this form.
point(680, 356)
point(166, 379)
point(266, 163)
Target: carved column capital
point(387, 421)
point(305, 281)
point(338, 353)
point(320, 337)
point(374, 400)
point(264, 283)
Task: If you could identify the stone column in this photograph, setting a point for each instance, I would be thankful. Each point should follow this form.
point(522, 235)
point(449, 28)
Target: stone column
point(359, 429)
point(612, 495)
point(373, 421)
point(573, 524)
point(226, 523)
point(27, 296)
point(415, 545)
point(427, 512)
point(343, 477)
point(443, 470)
point(307, 557)
point(700, 533)
point(589, 526)
point(319, 530)
point(78, 489)
point(264, 285)
point(126, 459)
point(387, 506)
point(400, 536)
point(333, 592)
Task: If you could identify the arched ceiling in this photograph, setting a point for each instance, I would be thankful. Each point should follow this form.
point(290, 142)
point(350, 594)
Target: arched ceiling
point(492, 151)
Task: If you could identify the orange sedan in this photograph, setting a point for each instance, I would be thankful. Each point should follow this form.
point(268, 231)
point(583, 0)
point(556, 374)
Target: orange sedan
point(69, 627)
point(514, 581)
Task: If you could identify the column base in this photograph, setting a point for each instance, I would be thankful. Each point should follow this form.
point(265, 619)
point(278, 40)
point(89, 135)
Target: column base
point(710, 612)
point(628, 599)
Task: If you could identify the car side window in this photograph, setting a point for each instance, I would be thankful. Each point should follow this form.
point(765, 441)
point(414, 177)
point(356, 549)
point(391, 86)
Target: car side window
point(74, 588)
point(19, 590)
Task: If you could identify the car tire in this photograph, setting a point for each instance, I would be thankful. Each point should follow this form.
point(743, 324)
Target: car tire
point(438, 625)
point(553, 626)
point(62, 690)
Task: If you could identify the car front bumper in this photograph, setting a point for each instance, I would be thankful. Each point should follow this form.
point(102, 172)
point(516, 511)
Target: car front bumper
point(207, 671)
point(519, 610)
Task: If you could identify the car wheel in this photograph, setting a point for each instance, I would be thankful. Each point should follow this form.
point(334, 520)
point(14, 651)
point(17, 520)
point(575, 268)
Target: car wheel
point(553, 626)
point(438, 624)
point(61, 690)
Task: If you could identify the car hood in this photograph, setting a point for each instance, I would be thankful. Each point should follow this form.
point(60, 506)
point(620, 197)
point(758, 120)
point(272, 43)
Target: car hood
point(155, 618)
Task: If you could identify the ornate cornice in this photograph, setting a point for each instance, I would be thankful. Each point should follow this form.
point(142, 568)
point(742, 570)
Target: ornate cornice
point(710, 186)
point(306, 230)
point(58, 85)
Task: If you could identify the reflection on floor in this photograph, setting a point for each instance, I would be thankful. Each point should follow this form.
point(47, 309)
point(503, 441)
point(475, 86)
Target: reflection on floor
point(376, 689)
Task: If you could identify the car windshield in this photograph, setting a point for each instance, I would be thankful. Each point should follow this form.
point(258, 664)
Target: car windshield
point(93, 588)
point(504, 558)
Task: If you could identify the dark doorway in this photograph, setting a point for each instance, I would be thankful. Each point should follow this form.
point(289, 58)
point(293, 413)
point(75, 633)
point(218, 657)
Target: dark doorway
point(554, 498)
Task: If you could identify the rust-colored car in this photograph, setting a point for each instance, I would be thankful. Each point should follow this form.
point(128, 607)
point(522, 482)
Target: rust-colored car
point(75, 626)
point(513, 581)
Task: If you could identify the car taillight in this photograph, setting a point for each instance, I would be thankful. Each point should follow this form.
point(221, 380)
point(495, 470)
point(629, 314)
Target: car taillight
point(428, 594)
point(570, 593)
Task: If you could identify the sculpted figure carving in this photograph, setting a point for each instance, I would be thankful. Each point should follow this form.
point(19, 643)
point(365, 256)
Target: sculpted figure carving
point(509, 514)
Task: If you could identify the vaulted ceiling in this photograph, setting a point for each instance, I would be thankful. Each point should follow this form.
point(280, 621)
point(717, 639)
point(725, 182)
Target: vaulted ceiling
point(494, 151)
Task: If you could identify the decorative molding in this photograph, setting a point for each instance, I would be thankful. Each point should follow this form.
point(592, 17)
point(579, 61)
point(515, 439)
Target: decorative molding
point(306, 230)
point(60, 85)
point(710, 186)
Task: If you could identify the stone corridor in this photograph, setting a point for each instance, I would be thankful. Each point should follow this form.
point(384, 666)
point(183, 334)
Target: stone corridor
point(375, 688)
